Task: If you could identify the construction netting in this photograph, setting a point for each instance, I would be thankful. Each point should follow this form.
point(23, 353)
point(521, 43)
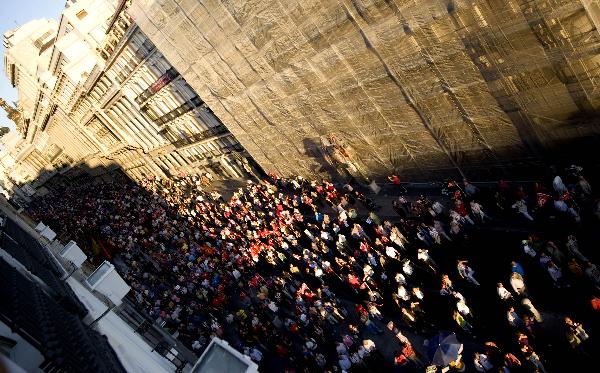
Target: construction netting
point(423, 88)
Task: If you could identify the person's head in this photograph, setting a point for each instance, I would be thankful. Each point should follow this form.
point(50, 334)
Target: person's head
point(500, 285)
point(568, 321)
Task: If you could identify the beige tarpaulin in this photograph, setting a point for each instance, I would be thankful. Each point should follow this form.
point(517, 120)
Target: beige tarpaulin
point(419, 88)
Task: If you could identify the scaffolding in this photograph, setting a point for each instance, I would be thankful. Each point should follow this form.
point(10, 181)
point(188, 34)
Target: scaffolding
point(423, 88)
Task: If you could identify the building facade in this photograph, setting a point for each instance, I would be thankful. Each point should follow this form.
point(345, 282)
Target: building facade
point(95, 95)
point(426, 88)
point(145, 115)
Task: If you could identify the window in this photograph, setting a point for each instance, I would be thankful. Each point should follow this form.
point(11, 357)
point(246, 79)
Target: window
point(81, 14)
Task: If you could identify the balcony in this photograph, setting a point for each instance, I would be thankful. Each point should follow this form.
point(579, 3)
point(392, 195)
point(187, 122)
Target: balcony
point(176, 113)
point(204, 135)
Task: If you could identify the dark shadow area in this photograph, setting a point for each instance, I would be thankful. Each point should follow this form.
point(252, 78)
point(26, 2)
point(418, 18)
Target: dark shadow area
point(266, 270)
point(44, 311)
point(527, 167)
point(325, 157)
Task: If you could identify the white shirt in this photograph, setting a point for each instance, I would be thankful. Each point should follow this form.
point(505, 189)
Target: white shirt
point(517, 284)
point(318, 272)
point(369, 345)
point(402, 293)
point(463, 308)
point(407, 268)
point(476, 208)
point(503, 293)
point(400, 279)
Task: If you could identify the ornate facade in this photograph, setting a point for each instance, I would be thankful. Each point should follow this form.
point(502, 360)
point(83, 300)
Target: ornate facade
point(99, 95)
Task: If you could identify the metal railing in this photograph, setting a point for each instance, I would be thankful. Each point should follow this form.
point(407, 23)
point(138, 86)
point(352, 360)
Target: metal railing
point(163, 343)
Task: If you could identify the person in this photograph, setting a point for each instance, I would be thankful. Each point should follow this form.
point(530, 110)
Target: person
point(577, 329)
point(477, 210)
point(469, 188)
point(573, 248)
point(463, 309)
point(595, 303)
point(462, 322)
point(269, 265)
point(437, 208)
point(466, 272)
point(514, 319)
point(462, 212)
point(423, 255)
point(532, 310)
point(400, 359)
point(521, 207)
point(556, 274)
point(255, 354)
point(517, 283)
point(482, 362)
point(344, 363)
point(511, 361)
point(584, 186)
point(504, 294)
point(409, 352)
point(397, 183)
point(558, 185)
point(517, 267)
point(533, 358)
point(446, 288)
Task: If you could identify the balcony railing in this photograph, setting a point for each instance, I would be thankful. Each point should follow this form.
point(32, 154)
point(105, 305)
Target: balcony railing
point(212, 132)
point(176, 113)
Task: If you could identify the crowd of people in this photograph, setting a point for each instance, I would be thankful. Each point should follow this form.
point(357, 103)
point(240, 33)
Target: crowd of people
point(307, 276)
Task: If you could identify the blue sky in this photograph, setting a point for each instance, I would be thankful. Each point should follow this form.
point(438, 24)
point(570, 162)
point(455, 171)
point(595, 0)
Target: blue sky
point(18, 12)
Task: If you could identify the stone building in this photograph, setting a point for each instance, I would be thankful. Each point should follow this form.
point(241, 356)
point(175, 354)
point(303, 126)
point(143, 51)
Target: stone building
point(424, 88)
point(146, 117)
point(96, 95)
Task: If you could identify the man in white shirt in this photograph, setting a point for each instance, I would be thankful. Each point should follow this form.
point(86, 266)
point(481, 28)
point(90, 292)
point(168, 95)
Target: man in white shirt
point(391, 252)
point(400, 279)
point(517, 283)
point(462, 307)
point(503, 293)
point(369, 345)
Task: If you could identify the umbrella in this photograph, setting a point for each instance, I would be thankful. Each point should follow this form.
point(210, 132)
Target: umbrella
point(444, 348)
